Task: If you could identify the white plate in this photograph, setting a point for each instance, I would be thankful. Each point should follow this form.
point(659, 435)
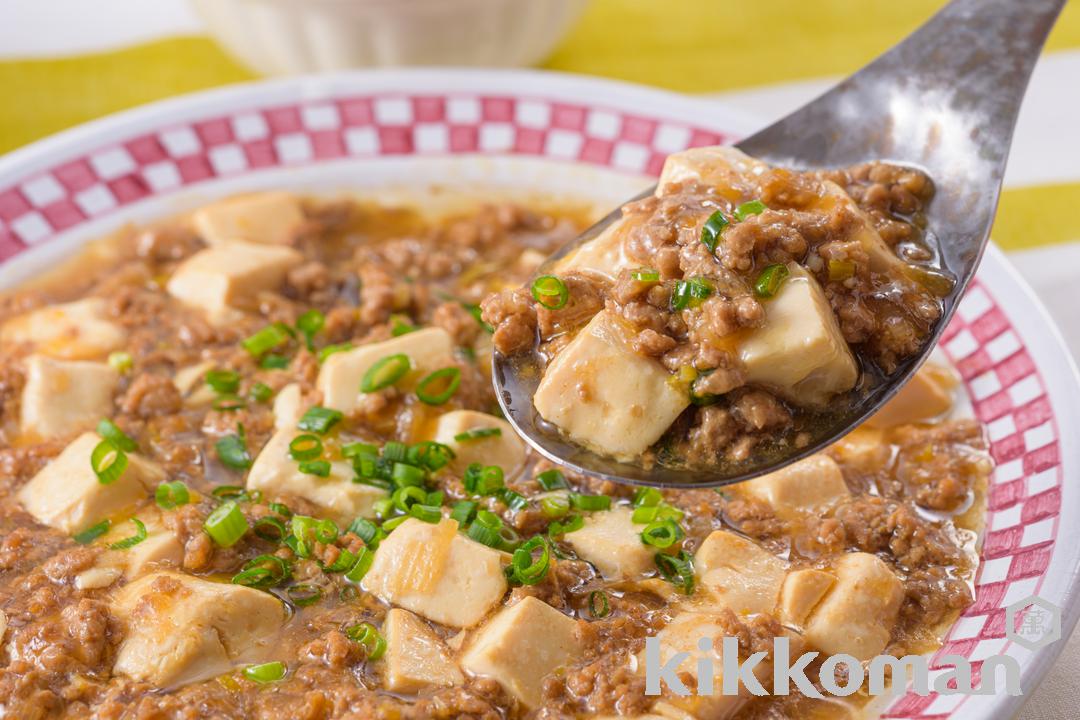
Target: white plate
point(584, 139)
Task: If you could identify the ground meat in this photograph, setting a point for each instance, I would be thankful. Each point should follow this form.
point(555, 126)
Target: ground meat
point(456, 320)
point(150, 395)
point(758, 410)
point(513, 315)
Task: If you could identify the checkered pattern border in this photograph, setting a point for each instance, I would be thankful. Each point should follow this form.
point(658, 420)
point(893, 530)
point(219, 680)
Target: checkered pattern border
point(999, 374)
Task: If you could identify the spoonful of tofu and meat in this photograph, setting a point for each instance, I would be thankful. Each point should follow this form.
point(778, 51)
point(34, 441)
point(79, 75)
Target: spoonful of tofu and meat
point(743, 314)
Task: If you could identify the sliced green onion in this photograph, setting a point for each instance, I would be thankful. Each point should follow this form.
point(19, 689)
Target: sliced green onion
point(229, 492)
point(712, 229)
point(133, 540)
point(383, 508)
point(647, 275)
point(405, 497)
point(555, 507)
point(108, 430)
point(367, 531)
point(318, 468)
point(108, 462)
point(427, 513)
point(359, 449)
point(305, 447)
point(326, 531)
point(645, 514)
point(434, 456)
point(267, 339)
point(281, 509)
point(261, 392)
point(365, 633)
point(571, 524)
point(364, 558)
point(396, 451)
point(489, 519)
point(478, 315)
point(233, 453)
point(309, 324)
point(92, 533)
point(590, 503)
point(677, 570)
point(226, 524)
point(662, 534)
point(274, 362)
point(770, 279)
point(525, 569)
point(392, 523)
point(484, 535)
point(477, 434)
point(690, 293)
point(754, 207)
point(550, 292)
point(552, 479)
point(400, 325)
point(598, 604)
point(343, 562)
point(266, 672)
point(647, 497)
point(263, 572)
point(332, 349)
point(483, 479)
point(385, 373)
point(223, 382)
point(463, 512)
point(407, 475)
point(270, 529)
point(121, 361)
point(448, 378)
point(228, 403)
point(171, 495)
point(513, 500)
point(320, 420)
point(304, 594)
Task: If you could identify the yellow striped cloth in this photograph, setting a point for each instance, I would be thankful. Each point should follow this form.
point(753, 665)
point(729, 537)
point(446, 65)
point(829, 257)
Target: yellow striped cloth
point(694, 46)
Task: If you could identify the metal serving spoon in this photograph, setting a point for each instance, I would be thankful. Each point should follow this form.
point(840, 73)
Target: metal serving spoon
point(945, 100)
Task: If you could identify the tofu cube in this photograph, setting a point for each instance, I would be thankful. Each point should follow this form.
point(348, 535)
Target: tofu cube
point(428, 349)
point(77, 330)
point(522, 645)
point(341, 499)
point(612, 542)
point(416, 658)
point(63, 397)
point(66, 493)
point(288, 407)
point(190, 382)
point(605, 255)
point(682, 634)
point(505, 449)
point(738, 574)
point(857, 615)
point(802, 591)
point(225, 279)
point(800, 352)
point(435, 572)
point(807, 486)
point(266, 217)
point(604, 395)
point(925, 397)
point(159, 551)
point(725, 168)
point(863, 449)
point(180, 629)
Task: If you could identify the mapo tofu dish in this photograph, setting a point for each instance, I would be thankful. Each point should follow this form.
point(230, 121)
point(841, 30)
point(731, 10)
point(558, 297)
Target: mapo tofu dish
point(252, 466)
point(731, 318)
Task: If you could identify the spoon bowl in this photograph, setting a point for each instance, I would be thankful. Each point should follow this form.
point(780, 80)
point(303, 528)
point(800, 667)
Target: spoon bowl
point(945, 100)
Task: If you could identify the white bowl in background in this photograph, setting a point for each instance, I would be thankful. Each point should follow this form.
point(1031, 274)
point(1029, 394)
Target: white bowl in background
point(284, 37)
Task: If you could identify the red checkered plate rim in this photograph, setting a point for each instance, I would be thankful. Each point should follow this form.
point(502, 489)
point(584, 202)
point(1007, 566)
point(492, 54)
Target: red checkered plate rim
point(1015, 369)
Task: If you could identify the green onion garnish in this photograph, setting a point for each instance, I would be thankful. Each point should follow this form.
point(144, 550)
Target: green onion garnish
point(552, 479)
point(427, 513)
point(513, 500)
point(367, 531)
point(318, 468)
point(326, 531)
point(598, 604)
point(385, 373)
point(365, 633)
point(754, 207)
point(484, 535)
point(434, 456)
point(92, 533)
point(550, 292)
point(647, 497)
point(226, 524)
point(525, 567)
point(121, 361)
point(589, 503)
point(319, 420)
point(483, 479)
point(690, 293)
point(712, 229)
point(478, 316)
point(261, 392)
point(171, 495)
point(407, 475)
point(400, 325)
point(274, 362)
point(232, 451)
point(223, 382)
point(304, 594)
point(266, 672)
point(396, 451)
point(392, 523)
point(108, 462)
point(645, 275)
point(305, 447)
point(263, 572)
point(270, 529)
point(405, 497)
point(662, 534)
point(133, 540)
point(281, 509)
point(645, 514)
point(265, 340)
point(555, 507)
point(463, 512)
point(229, 492)
point(448, 378)
point(108, 430)
point(364, 558)
point(770, 279)
point(677, 570)
point(477, 434)
point(309, 324)
point(331, 349)
point(571, 524)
